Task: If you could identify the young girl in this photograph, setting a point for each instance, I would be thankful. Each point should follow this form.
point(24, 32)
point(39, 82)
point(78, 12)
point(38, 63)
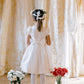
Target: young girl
point(36, 59)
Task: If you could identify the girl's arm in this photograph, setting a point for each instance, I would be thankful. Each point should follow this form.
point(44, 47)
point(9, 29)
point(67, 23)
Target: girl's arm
point(28, 39)
point(48, 41)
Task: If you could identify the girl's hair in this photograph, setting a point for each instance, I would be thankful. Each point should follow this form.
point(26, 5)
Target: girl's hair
point(38, 18)
point(40, 23)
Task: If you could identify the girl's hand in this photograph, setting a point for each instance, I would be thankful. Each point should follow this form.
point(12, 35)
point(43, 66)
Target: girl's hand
point(28, 40)
point(48, 41)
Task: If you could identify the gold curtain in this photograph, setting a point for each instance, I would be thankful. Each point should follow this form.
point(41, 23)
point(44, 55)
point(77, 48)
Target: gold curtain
point(15, 18)
point(14, 21)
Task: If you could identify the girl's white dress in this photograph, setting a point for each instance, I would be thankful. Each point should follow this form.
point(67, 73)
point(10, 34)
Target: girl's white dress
point(36, 59)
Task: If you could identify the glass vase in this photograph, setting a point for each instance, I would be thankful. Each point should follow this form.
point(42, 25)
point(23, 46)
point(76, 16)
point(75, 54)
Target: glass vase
point(58, 79)
point(16, 82)
point(13, 82)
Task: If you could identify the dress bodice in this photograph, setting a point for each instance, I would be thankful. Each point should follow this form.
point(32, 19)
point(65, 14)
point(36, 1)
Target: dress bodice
point(36, 35)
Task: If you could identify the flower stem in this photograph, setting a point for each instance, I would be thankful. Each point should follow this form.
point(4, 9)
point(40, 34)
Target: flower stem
point(58, 79)
point(14, 82)
point(59, 82)
point(11, 82)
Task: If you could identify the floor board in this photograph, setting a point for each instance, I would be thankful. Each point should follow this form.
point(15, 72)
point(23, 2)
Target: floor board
point(49, 80)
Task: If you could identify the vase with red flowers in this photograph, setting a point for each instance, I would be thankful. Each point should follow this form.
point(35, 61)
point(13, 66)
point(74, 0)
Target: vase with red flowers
point(59, 73)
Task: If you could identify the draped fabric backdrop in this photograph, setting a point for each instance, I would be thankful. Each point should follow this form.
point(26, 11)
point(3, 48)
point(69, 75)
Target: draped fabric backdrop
point(61, 19)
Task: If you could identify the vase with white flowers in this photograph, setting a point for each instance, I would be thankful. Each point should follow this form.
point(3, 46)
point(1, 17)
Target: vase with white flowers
point(15, 76)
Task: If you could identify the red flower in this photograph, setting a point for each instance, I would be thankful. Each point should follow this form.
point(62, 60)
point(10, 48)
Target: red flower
point(62, 73)
point(59, 70)
point(55, 73)
point(55, 69)
point(51, 72)
point(65, 70)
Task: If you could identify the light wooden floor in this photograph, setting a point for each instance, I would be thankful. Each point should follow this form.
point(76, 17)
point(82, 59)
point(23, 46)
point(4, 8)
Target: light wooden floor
point(49, 80)
point(26, 80)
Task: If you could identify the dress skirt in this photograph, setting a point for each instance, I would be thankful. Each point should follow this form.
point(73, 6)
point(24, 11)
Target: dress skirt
point(35, 59)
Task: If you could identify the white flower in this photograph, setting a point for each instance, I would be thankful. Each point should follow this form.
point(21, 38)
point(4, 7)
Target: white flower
point(12, 75)
point(12, 70)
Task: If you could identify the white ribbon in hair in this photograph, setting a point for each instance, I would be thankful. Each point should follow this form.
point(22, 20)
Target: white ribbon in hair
point(37, 16)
